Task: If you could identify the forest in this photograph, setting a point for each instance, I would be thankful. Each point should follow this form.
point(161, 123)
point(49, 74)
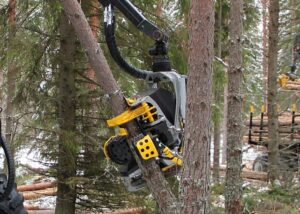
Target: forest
point(149, 106)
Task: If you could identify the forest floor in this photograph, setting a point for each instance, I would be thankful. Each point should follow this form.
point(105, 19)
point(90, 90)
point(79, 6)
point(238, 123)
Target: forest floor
point(258, 197)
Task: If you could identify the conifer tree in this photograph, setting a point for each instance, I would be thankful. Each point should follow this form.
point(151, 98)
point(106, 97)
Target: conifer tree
point(273, 144)
point(233, 185)
point(195, 177)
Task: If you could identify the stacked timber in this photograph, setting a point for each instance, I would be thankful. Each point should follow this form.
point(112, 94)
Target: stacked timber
point(291, 85)
point(288, 130)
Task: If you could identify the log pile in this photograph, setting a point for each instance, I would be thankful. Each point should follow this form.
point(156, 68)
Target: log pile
point(40, 190)
point(287, 130)
point(248, 174)
point(291, 85)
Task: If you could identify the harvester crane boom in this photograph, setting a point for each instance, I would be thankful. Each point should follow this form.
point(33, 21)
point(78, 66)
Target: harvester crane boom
point(137, 18)
point(159, 51)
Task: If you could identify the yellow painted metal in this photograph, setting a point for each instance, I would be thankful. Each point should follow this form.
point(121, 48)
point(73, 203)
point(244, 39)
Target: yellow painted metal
point(283, 80)
point(147, 148)
point(173, 158)
point(142, 110)
point(106, 146)
point(167, 167)
point(251, 109)
point(130, 101)
point(263, 109)
point(123, 132)
point(294, 107)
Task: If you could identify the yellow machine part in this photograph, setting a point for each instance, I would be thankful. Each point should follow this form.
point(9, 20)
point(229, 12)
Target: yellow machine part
point(294, 107)
point(283, 80)
point(263, 109)
point(105, 147)
point(173, 158)
point(142, 110)
point(147, 148)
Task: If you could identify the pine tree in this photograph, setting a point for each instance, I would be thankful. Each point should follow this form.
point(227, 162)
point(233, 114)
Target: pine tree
point(233, 186)
point(272, 90)
point(196, 169)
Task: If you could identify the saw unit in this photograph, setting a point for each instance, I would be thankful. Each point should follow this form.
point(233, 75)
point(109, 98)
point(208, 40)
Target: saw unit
point(159, 112)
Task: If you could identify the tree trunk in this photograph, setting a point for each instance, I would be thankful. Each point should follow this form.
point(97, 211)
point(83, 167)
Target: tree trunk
point(66, 193)
point(196, 169)
point(156, 182)
point(233, 188)
point(216, 158)
point(10, 76)
point(265, 50)
point(272, 89)
point(91, 9)
point(225, 120)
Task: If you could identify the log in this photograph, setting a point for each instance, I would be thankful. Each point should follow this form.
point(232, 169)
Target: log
point(33, 187)
point(284, 119)
point(261, 176)
point(283, 141)
point(293, 87)
point(41, 211)
point(126, 211)
point(39, 193)
point(34, 207)
point(247, 174)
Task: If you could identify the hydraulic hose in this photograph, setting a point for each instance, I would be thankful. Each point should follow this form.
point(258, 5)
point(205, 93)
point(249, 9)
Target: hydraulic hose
point(109, 30)
point(10, 167)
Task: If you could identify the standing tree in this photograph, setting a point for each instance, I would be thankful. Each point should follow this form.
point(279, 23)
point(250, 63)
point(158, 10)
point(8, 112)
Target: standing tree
point(272, 89)
point(11, 74)
point(233, 189)
point(196, 169)
point(66, 193)
point(265, 49)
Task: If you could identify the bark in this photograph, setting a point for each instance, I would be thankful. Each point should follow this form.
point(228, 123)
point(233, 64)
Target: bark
point(293, 24)
point(159, 8)
point(156, 182)
point(265, 49)
point(196, 169)
point(272, 89)
point(66, 194)
point(10, 76)
point(91, 9)
point(216, 158)
point(225, 120)
point(233, 188)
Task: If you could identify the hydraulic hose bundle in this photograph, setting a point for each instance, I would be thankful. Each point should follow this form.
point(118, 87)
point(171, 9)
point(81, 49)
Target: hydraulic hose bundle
point(109, 30)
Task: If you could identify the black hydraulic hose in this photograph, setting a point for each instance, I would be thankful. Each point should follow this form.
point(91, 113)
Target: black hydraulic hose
point(10, 167)
point(109, 31)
